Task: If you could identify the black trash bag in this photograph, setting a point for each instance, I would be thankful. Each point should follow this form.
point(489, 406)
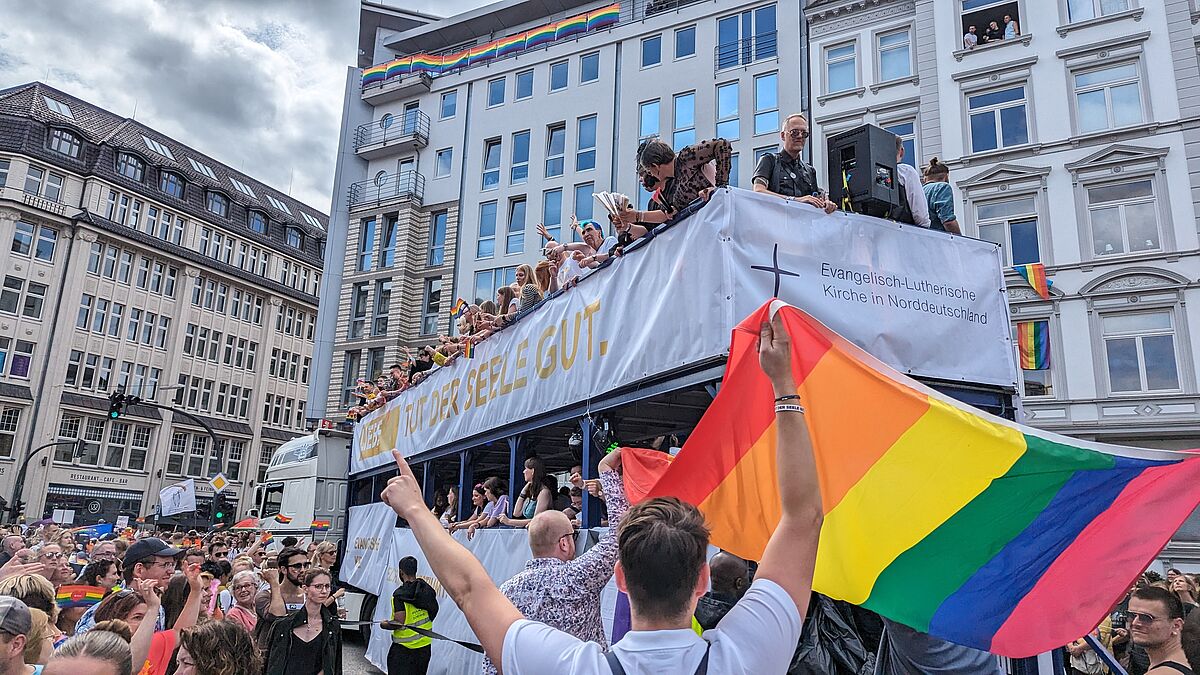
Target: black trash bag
point(829, 644)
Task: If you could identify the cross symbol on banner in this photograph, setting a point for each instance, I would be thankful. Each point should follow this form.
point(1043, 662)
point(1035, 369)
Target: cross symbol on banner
point(775, 269)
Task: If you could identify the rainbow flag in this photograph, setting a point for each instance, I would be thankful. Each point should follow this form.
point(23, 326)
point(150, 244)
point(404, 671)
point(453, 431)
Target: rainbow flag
point(426, 63)
point(606, 16)
point(459, 308)
point(469, 349)
point(321, 524)
point(540, 35)
point(510, 45)
point(1035, 275)
point(455, 60)
point(280, 518)
point(571, 26)
point(374, 74)
point(399, 67)
point(1033, 344)
point(78, 596)
point(483, 52)
point(966, 526)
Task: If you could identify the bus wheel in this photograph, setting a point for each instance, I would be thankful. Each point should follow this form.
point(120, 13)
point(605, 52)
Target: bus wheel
point(367, 614)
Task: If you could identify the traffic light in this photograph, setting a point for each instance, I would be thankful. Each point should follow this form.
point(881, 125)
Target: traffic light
point(222, 510)
point(116, 405)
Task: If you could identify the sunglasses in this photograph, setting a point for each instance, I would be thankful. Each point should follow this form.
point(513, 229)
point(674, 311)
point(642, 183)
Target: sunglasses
point(299, 566)
point(799, 133)
point(1141, 617)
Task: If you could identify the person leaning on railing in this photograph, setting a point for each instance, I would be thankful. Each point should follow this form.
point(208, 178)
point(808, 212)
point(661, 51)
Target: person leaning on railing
point(681, 175)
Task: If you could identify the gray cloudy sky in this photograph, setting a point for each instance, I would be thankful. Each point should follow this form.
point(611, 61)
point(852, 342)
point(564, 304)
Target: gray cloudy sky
point(256, 84)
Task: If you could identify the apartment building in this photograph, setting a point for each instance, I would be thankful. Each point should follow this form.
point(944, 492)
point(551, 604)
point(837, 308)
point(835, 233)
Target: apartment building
point(466, 132)
point(135, 263)
point(1071, 142)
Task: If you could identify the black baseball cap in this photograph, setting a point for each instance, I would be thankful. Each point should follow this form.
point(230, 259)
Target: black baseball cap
point(149, 547)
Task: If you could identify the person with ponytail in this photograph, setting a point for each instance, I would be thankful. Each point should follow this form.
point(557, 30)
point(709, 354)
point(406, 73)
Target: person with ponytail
point(940, 198)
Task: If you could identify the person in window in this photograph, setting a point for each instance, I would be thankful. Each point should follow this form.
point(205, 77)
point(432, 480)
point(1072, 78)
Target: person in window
point(785, 174)
point(910, 181)
point(1011, 30)
point(478, 501)
point(940, 197)
point(496, 491)
point(994, 32)
point(681, 176)
point(537, 495)
point(970, 39)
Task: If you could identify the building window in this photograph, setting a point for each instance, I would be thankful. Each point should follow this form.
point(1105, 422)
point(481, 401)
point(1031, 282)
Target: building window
point(524, 85)
point(58, 107)
point(171, 183)
point(495, 92)
point(1082, 10)
point(584, 201)
point(685, 121)
point(218, 203)
point(998, 119)
point(437, 238)
point(685, 42)
point(651, 51)
point(449, 104)
point(130, 166)
point(34, 178)
point(895, 55)
point(4, 167)
point(907, 131)
point(1013, 224)
point(17, 359)
point(353, 367)
point(358, 310)
point(589, 68)
point(366, 245)
point(64, 142)
point(979, 13)
point(383, 305)
point(1140, 352)
point(648, 117)
point(552, 212)
point(1108, 98)
point(841, 68)
point(766, 103)
point(556, 147)
point(1124, 217)
point(491, 164)
point(487, 282)
point(515, 241)
point(431, 307)
point(485, 247)
point(39, 240)
point(54, 186)
point(445, 158)
point(520, 158)
point(264, 461)
point(585, 154)
point(559, 76)
point(387, 242)
point(10, 417)
point(733, 170)
point(294, 238)
point(257, 221)
point(728, 125)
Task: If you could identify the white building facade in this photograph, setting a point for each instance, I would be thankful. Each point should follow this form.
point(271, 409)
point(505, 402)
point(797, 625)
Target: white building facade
point(1073, 143)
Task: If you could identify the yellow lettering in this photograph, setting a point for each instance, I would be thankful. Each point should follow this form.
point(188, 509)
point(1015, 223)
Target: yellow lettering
point(444, 411)
point(493, 376)
point(587, 315)
point(421, 411)
point(567, 362)
point(547, 360)
point(408, 418)
point(480, 383)
point(454, 395)
point(521, 363)
point(505, 385)
point(470, 389)
point(435, 400)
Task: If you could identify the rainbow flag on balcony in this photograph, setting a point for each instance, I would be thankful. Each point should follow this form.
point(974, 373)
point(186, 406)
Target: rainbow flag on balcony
point(510, 45)
point(455, 60)
point(1033, 344)
point(426, 63)
point(481, 53)
point(375, 74)
point(399, 67)
point(571, 26)
point(539, 36)
point(604, 17)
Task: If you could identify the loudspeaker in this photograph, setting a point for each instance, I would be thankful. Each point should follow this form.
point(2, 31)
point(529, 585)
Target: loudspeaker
point(862, 171)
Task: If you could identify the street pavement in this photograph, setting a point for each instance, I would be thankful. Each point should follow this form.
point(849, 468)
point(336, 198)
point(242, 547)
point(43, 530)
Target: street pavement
point(354, 659)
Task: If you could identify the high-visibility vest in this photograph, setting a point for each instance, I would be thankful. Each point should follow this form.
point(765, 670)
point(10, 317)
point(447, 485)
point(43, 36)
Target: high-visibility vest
point(413, 616)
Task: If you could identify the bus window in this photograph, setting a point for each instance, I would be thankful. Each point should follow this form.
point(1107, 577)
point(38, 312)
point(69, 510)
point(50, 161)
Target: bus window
point(361, 492)
point(272, 499)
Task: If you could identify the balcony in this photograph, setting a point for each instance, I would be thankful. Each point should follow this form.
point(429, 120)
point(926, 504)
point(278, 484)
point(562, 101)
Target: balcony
point(408, 132)
point(397, 88)
point(44, 204)
point(385, 190)
point(745, 51)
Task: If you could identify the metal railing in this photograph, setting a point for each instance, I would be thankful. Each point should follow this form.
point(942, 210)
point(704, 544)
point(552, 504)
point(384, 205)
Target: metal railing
point(745, 51)
point(410, 125)
point(42, 203)
point(398, 187)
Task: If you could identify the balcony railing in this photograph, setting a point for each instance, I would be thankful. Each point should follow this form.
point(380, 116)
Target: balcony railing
point(410, 127)
point(42, 203)
point(745, 51)
point(406, 186)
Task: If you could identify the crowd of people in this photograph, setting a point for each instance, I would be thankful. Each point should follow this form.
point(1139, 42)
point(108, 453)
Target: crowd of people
point(155, 602)
point(997, 30)
point(675, 181)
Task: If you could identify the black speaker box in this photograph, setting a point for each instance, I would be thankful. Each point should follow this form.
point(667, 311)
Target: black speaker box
point(862, 171)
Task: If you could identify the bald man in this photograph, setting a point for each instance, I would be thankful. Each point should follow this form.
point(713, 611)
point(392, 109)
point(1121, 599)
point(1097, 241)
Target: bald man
point(558, 589)
point(730, 577)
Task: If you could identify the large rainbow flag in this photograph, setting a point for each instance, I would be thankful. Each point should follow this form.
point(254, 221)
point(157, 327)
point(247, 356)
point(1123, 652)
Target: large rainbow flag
point(955, 522)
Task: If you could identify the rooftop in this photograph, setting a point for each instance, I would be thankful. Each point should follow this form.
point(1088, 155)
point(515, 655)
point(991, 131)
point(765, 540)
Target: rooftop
point(490, 21)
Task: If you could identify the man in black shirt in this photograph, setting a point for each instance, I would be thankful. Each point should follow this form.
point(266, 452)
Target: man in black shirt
point(730, 577)
point(785, 174)
point(413, 604)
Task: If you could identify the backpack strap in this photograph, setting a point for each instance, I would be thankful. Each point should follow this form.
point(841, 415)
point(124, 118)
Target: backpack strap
point(702, 669)
point(614, 664)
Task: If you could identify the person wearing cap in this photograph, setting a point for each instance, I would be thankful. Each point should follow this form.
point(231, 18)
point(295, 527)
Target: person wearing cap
point(15, 624)
point(149, 558)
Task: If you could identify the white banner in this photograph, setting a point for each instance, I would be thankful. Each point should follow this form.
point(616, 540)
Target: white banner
point(178, 498)
point(368, 546)
point(928, 303)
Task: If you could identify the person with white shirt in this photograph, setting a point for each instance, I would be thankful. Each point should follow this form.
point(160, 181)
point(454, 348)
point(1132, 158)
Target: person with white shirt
point(914, 191)
point(661, 566)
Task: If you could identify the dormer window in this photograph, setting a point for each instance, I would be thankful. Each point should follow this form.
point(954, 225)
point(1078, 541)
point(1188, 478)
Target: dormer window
point(130, 166)
point(257, 221)
point(171, 183)
point(295, 238)
point(65, 143)
point(218, 203)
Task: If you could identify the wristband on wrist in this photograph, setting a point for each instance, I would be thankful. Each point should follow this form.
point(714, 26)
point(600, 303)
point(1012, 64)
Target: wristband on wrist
point(789, 407)
point(787, 397)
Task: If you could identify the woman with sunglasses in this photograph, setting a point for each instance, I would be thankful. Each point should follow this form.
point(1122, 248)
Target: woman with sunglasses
point(309, 640)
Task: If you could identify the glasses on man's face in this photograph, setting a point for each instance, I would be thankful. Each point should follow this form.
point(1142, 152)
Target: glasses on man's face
point(1141, 617)
point(799, 133)
point(165, 564)
point(51, 556)
point(299, 566)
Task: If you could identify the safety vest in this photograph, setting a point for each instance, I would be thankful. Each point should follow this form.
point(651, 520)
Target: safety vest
point(413, 616)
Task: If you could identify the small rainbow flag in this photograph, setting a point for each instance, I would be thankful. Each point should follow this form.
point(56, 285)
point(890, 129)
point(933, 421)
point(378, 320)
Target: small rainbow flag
point(1033, 343)
point(374, 74)
point(1035, 275)
point(459, 308)
point(321, 525)
point(510, 45)
point(604, 17)
point(78, 596)
point(267, 536)
point(483, 52)
point(280, 518)
point(571, 26)
point(469, 349)
point(539, 36)
point(455, 60)
point(399, 67)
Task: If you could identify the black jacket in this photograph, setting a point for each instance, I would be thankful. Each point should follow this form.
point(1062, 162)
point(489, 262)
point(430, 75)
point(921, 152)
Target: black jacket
point(417, 593)
point(280, 644)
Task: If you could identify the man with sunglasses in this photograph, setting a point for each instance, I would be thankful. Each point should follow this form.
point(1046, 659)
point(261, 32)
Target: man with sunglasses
point(283, 585)
point(150, 558)
point(785, 174)
point(1155, 619)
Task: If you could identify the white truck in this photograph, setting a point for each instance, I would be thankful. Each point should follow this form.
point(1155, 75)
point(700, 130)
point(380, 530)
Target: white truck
point(304, 492)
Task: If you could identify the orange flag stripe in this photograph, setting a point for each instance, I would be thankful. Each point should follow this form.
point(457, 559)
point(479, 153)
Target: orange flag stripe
point(754, 485)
